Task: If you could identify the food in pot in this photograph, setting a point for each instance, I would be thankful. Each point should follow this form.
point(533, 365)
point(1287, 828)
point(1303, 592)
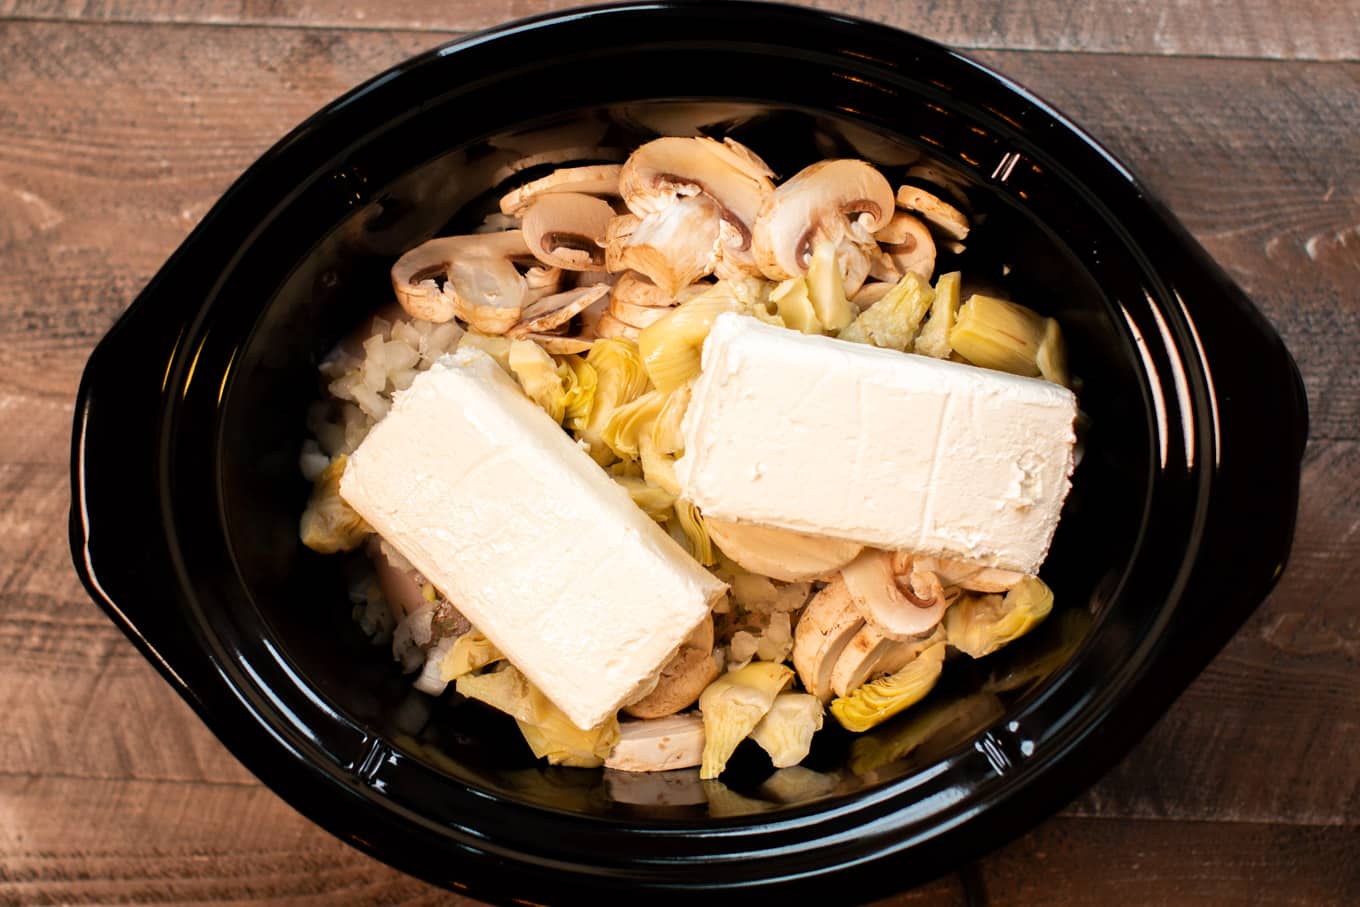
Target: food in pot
point(667, 456)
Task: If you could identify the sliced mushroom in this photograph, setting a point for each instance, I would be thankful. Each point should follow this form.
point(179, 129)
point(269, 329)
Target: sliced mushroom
point(400, 584)
point(639, 316)
point(635, 289)
point(594, 278)
point(841, 201)
point(869, 654)
point(825, 627)
point(941, 215)
point(683, 678)
point(883, 268)
point(780, 554)
point(871, 293)
point(482, 286)
point(658, 744)
point(909, 243)
point(596, 179)
point(555, 311)
point(566, 230)
point(674, 246)
point(560, 346)
point(897, 611)
point(608, 327)
point(732, 176)
point(541, 282)
point(972, 577)
point(496, 222)
point(616, 236)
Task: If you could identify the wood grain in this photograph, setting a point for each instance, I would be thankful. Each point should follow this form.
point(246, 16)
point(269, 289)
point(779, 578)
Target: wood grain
point(117, 135)
point(1301, 30)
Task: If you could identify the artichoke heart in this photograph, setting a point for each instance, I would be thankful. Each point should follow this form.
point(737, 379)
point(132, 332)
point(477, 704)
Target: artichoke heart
point(893, 321)
point(934, 337)
point(696, 533)
point(471, 652)
point(620, 379)
point(579, 385)
point(329, 524)
point(997, 334)
point(786, 730)
point(546, 729)
point(654, 501)
point(540, 376)
point(978, 625)
point(733, 705)
point(876, 702)
point(794, 307)
point(666, 433)
point(671, 346)
point(630, 421)
point(826, 288)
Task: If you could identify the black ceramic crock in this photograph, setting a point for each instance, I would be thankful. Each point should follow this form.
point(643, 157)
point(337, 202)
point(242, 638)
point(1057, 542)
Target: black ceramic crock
point(186, 493)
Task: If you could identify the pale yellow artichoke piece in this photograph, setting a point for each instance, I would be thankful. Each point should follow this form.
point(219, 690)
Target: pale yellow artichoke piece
point(934, 337)
point(978, 625)
point(791, 301)
point(1052, 355)
point(496, 347)
point(547, 730)
point(666, 433)
point(733, 705)
point(658, 468)
point(785, 733)
point(692, 524)
point(998, 334)
point(329, 524)
point(539, 376)
point(876, 702)
point(656, 502)
point(893, 321)
point(671, 346)
point(620, 379)
point(471, 652)
point(578, 392)
point(826, 288)
point(630, 422)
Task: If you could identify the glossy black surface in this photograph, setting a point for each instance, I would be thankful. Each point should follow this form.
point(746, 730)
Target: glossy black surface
point(191, 414)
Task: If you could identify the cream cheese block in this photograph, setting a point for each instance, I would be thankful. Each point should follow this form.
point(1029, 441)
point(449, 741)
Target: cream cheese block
point(887, 449)
point(531, 540)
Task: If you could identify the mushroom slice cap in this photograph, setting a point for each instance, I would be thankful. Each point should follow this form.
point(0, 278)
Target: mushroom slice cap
point(872, 292)
point(909, 244)
point(683, 678)
point(827, 200)
point(972, 577)
point(658, 744)
point(780, 554)
point(636, 289)
point(567, 230)
point(825, 628)
point(639, 316)
point(596, 179)
point(943, 216)
point(729, 174)
point(608, 327)
point(675, 246)
point(482, 285)
point(542, 315)
point(870, 653)
point(896, 612)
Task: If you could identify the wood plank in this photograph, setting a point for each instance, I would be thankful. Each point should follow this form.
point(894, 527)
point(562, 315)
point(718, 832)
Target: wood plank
point(199, 843)
point(1096, 863)
point(1305, 29)
point(117, 139)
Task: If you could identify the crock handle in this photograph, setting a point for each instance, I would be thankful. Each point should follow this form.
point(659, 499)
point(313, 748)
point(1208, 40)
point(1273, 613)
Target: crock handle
point(117, 532)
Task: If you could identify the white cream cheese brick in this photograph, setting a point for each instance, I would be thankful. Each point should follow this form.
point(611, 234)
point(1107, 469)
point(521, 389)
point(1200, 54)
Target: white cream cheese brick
point(532, 541)
point(892, 450)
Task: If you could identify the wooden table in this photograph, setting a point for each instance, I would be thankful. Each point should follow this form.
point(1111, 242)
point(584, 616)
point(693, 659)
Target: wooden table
point(121, 123)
